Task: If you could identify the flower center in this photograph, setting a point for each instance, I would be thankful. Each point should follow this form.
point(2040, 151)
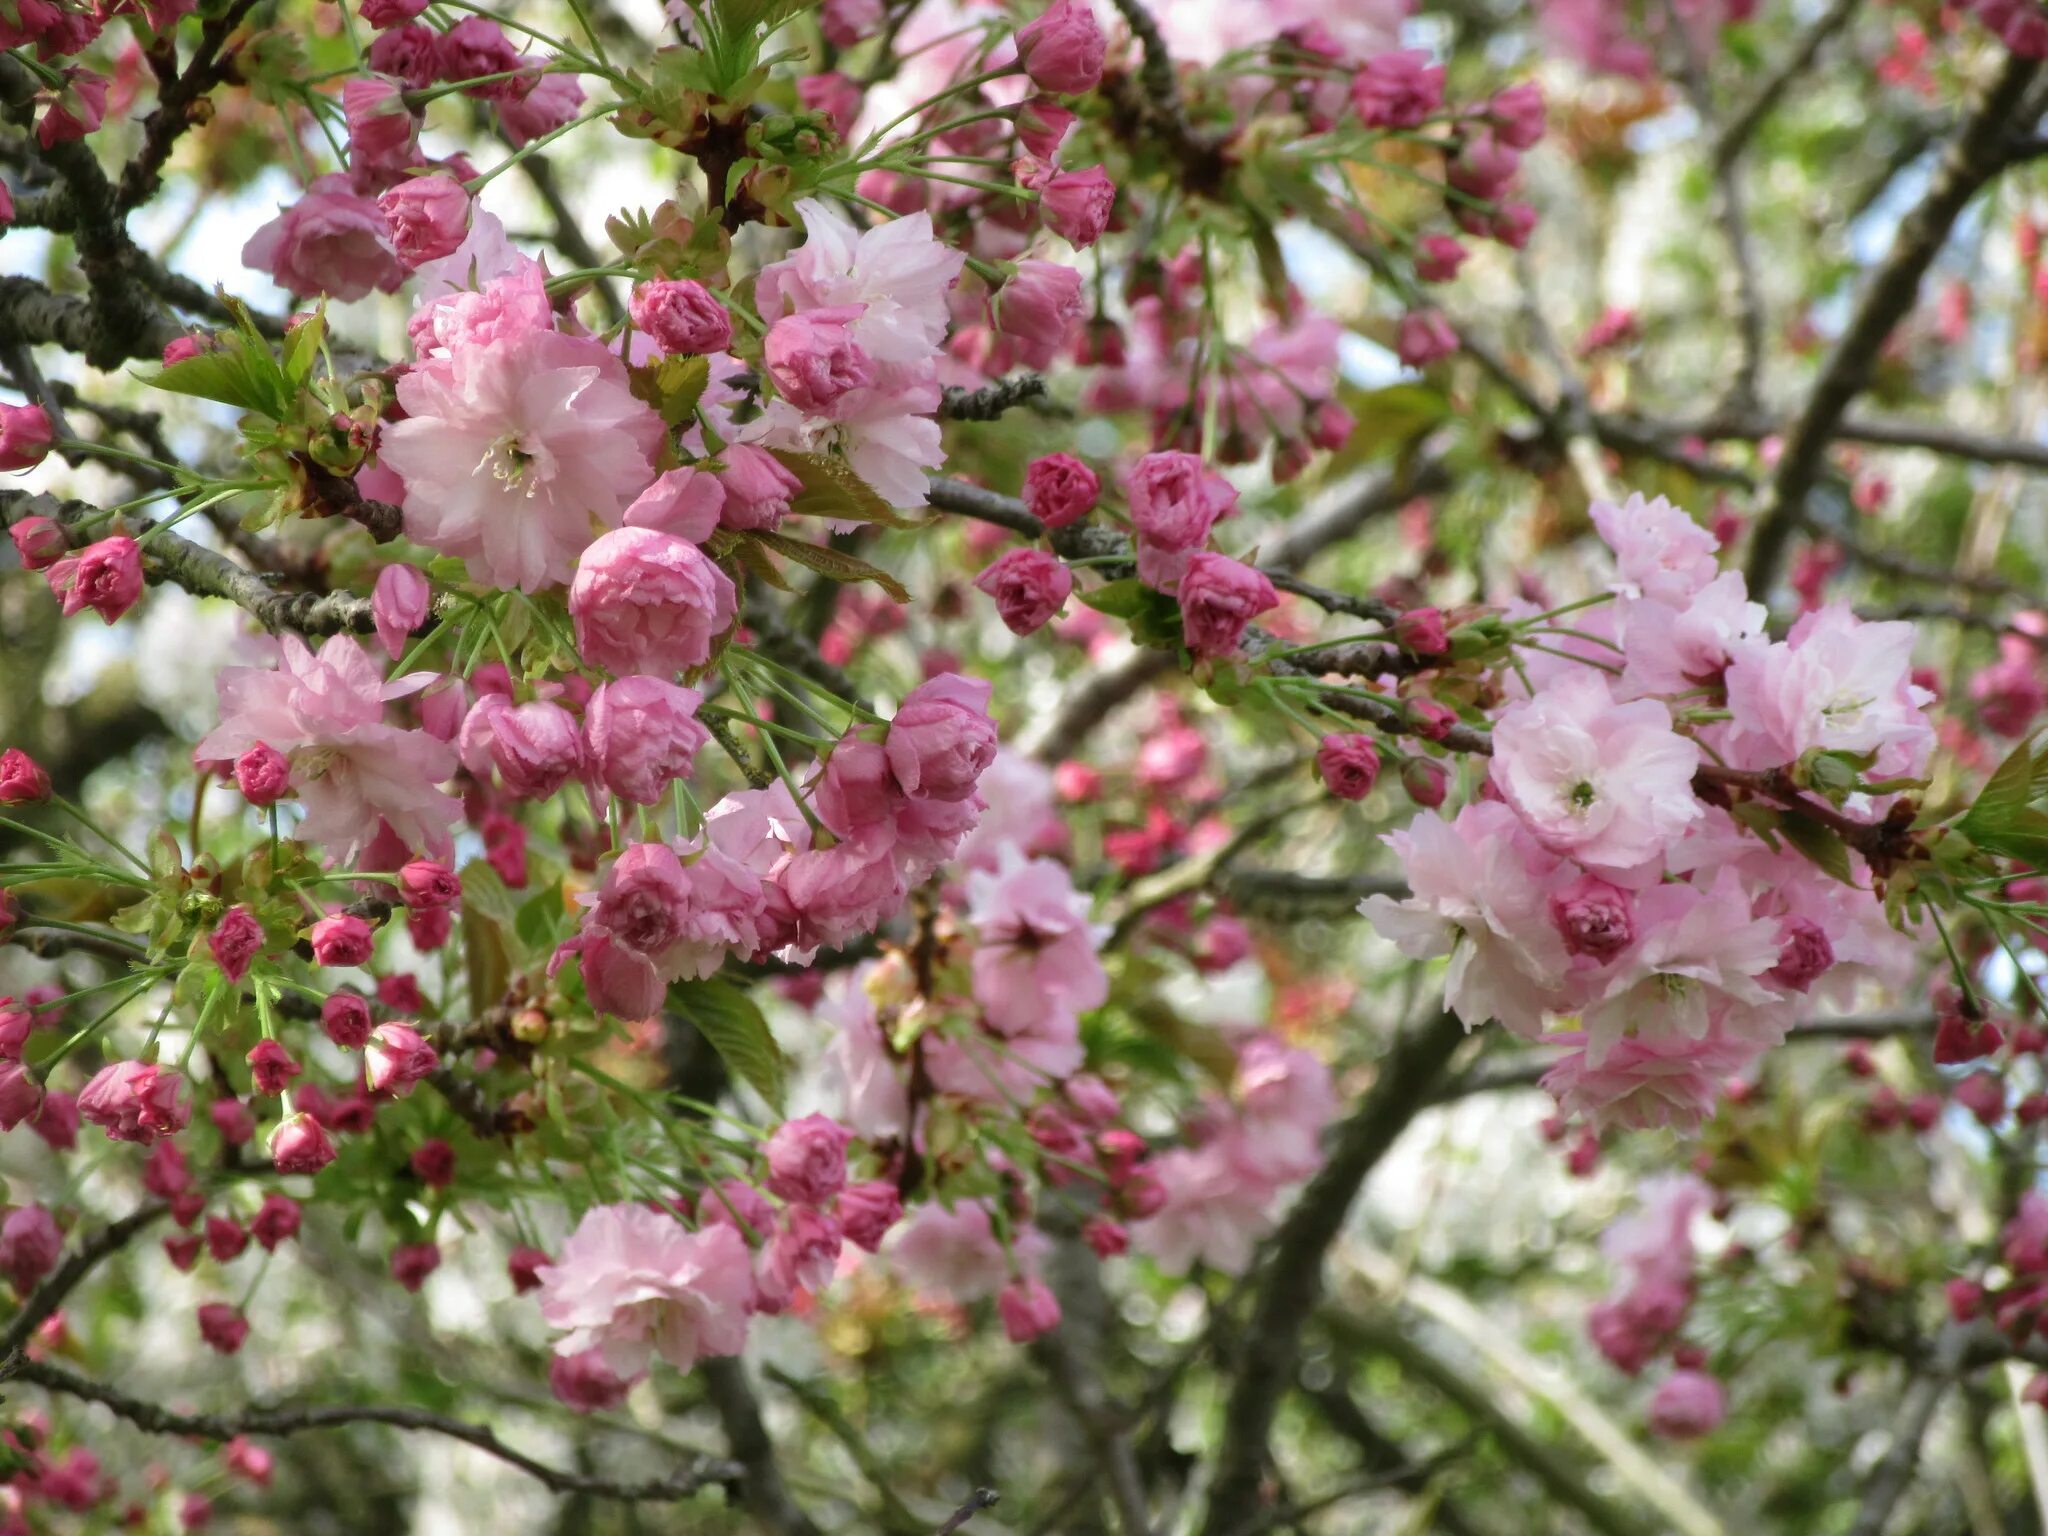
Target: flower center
point(1583, 794)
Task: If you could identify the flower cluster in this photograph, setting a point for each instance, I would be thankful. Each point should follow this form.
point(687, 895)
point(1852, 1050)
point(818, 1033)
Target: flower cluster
point(1614, 878)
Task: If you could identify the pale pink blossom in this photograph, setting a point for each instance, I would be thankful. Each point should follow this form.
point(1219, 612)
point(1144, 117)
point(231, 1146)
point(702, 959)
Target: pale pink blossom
point(330, 241)
point(1284, 1099)
point(1479, 893)
point(687, 503)
point(632, 1283)
point(1608, 783)
point(399, 604)
point(1699, 964)
point(941, 738)
point(898, 273)
point(1675, 649)
point(352, 771)
point(1214, 1212)
point(1036, 950)
point(135, 1101)
point(957, 1252)
point(1659, 552)
point(1647, 1083)
point(510, 450)
point(1835, 683)
point(869, 1085)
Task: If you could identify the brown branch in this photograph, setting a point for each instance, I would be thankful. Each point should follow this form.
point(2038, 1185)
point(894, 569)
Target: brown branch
point(1974, 156)
point(761, 1486)
point(1291, 1281)
point(1739, 129)
point(176, 95)
point(42, 1303)
point(990, 401)
point(205, 573)
point(281, 1421)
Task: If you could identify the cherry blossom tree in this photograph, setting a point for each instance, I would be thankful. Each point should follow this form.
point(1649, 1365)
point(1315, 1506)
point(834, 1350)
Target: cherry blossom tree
point(1161, 765)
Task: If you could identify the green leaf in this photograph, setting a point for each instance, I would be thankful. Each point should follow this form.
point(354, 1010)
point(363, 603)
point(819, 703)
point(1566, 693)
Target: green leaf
point(2024, 837)
point(673, 386)
point(1388, 420)
point(489, 918)
point(1119, 599)
point(302, 347)
point(833, 564)
point(1821, 845)
point(726, 1016)
point(2004, 797)
point(229, 375)
point(831, 489)
point(541, 921)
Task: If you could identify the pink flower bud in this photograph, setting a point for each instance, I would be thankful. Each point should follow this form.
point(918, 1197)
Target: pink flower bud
point(814, 359)
point(300, 1145)
point(181, 349)
point(390, 13)
point(272, 1067)
point(758, 488)
point(263, 774)
point(1958, 1039)
point(1517, 114)
point(182, 1249)
point(524, 1265)
point(346, 1019)
point(413, 1262)
point(1107, 1238)
point(1689, 1404)
point(847, 22)
point(428, 217)
point(225, 1238)
point(681, 317)
point(648, 602)
point(428, 884)
point(641, 734)
point(397, 1057)
point(233, 1119)
point(399, 604)
point(22, 779)
point(1983, 1095)
point(30, 1246)
point(1425, 781)
point(1594, 919)
point(277, 1221)
point(235, 941)
point(135, 1101)
point(25, 436)
point(250, 1462)
point(40, 541)
point(433, 1163)
point(1438, 257)
point(1042, 124)
point(341, 938)
point(942, 739)
point(1029, 586)
point(1037, 308)
point(1076, 205)
point(21, 1096)
point(1062, 51)
point(807, 1159)
point(1028, 1309)
point(105, 577)
point(1422, 632)
point(1219, 597)
point(1060, 489)
point(1424, 336)
point(1349, 765)
point(1401, 89)
point(1965, 1299)
point(584, 1383)
point(223, 1327)
point(1805, 957)
point(867, 1212)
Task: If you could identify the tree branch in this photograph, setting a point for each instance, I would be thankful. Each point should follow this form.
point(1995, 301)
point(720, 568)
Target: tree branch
point(761, 1486)
point(1975, 156)
point(1291, 1281)
point(280, 1421)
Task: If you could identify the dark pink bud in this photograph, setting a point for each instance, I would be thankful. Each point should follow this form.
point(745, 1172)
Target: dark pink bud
point(223, 1327)
point(236, 940)
point(433, 1163)
point(1349, 765)
point(22, 779)
point(300, 1145)
point(412, 1263)
point(272, 1067)
point(1594, 918)
point(342, 939)
point(427, 883)
point(263, 774)
point(1426, 782)
point(346, 1018)
point(277, 1222)
point(40, 541)
point(1421, 632)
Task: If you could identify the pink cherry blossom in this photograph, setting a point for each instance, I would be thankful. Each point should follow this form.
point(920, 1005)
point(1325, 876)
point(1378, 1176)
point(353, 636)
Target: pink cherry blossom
point(1610, 784)
point(1659, 552)
point(1036, 948)
point(632, 1283)
point(510, 450)
point(649, 602)
point(1835, 683)
point(331, 241)
point(351, 770)
point(640, 734)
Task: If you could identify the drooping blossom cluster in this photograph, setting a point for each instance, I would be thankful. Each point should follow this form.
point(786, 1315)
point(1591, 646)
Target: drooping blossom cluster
point(1652, 1250)
point(1603, 895)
